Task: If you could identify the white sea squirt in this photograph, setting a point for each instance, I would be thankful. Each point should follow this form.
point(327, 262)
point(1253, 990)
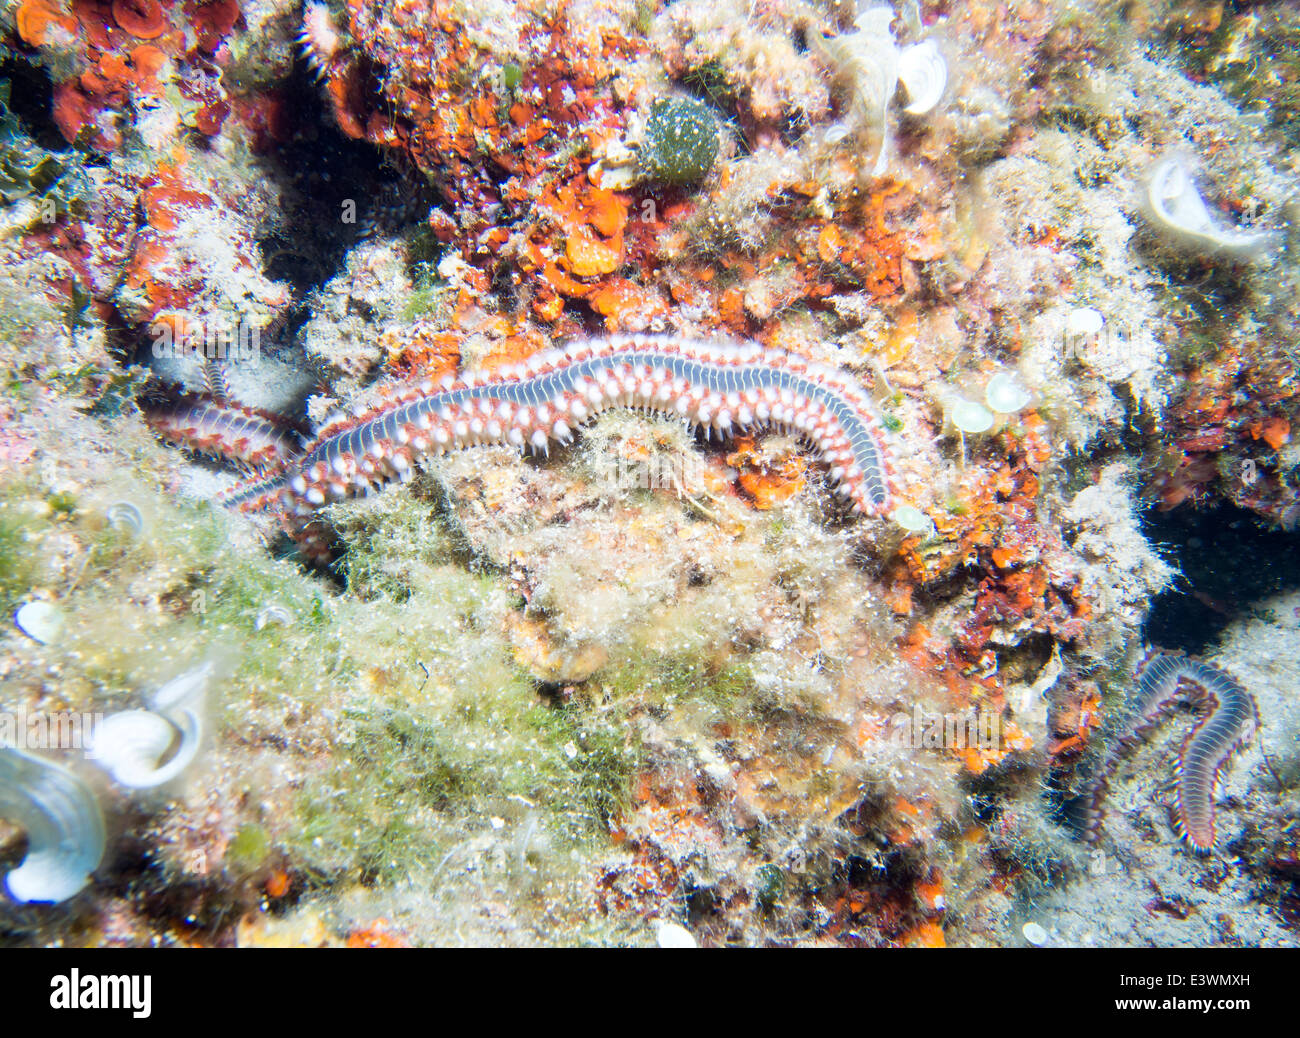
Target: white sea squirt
point(143, 749)
point(1004, 395)
point(870, 60)
point(924, 76)
point(912, 519)
point(1176, 207)
point(1083, 322)
point(132, 745)
point(868, 57)
point(64, 826)
point(970, 417)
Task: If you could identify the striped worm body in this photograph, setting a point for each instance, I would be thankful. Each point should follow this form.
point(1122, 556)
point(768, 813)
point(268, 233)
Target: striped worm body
point(245, 435)
point(726, 386)
point(1228, 718)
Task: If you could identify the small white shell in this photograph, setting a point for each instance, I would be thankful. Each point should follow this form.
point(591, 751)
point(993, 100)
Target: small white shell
point(40, 621)
point(1005, 395)
point(1084, 321)
point(1034, 934)
point(132, 745)
point(125, 516)
point(1177, 208)
point(971, 417)
point(924, 75)
point(64, 826)
point(674, 935)
point(186, 690)
point(273, 613)
point(834, 133)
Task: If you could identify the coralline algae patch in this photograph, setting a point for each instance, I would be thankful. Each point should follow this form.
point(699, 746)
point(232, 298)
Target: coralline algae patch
point(555, 98)
point(132, 53)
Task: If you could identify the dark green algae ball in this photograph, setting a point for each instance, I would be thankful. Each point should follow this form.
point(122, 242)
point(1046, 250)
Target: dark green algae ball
point(681, 141)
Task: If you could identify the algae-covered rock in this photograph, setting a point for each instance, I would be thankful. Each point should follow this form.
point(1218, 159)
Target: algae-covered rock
point(681, 141)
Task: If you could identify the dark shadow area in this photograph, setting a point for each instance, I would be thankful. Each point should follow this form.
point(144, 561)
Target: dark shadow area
point(336, 191)
point(31, 100)
point(1230, 561)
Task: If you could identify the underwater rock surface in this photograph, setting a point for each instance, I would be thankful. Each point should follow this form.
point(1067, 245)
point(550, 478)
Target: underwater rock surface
point(514, 674)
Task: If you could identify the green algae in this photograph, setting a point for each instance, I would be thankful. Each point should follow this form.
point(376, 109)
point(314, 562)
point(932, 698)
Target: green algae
point(402, 694)
point(412, 776)
point(17, 565)
point(250, 848)
point(425, 300)
point(710, 79)
point(28, 171)
point(392, 546)
point(662, 684)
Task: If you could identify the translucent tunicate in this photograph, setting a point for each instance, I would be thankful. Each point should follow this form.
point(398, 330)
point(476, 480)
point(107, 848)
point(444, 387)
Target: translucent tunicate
point(143, 749)
point(1034, 934)
point(971, 417)
point(64, 826)
point(912, 519)
point(1084, 321)
point(924, 75)
point(1005, 395)
point(674, 935)
point(1177, 208)
point(868, 59)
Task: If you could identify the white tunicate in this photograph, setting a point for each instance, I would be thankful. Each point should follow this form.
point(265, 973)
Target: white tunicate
point(868, 59)
point(1005, 395)
point(879, 67)
point(924, 75)
point(143, 749)
point(40, 621)
point(971, 417)
point(1178, 209)
point(1034, 934)
point(674, 935)
point(911, 518)
point(64, 826)
point(184, 691)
